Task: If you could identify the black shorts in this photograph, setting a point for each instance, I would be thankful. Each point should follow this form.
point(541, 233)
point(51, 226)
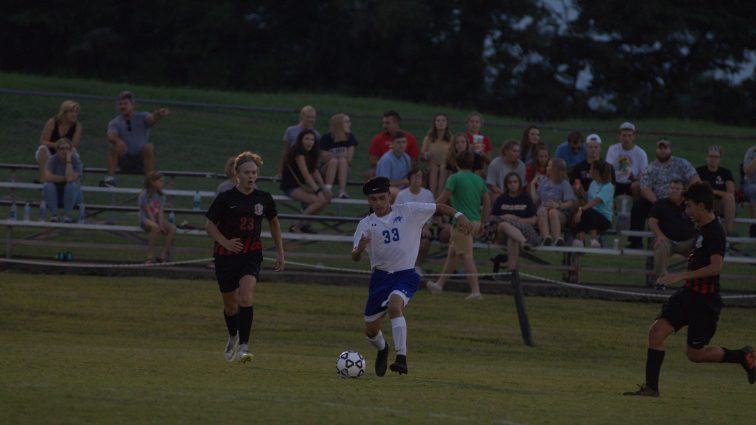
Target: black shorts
point(699, 312)
point(229, 269)
point(131, 164)
point(622, 189)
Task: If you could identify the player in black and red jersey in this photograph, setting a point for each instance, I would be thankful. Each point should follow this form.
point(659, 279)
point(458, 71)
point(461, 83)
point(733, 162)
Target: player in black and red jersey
point(234, 221)
point(697, 304)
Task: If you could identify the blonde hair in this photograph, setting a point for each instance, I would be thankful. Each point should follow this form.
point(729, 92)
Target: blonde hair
point(245, 157)
point(228, 169)
point(63, 141)
point(337, 127)
point(67, 106)
point(149, 183)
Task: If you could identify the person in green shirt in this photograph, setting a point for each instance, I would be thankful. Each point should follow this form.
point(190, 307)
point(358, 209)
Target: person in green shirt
point(467, 192)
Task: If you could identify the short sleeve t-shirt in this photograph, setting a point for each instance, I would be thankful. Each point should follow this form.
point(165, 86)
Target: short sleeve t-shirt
point(135, 131)
point(674, 223)
point(604, 191)
point(498, 170)
point(381, 144)
point(710, 240)
point(658, 176)
point(395, 237)
point(520, 205)
point(152, 203)
point(327, 144)
point(425, 196)
point(628, 164)
point(749, 156)
point(549, 191)
point(717, 179)
point(467, 189)
point(240, 216)
point(393, 167)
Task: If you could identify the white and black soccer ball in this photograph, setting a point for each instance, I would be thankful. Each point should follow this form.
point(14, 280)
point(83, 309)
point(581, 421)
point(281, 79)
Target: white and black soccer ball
point(350, 364)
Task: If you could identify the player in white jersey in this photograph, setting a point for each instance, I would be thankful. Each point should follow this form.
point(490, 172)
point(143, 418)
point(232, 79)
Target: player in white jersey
point(391, 234)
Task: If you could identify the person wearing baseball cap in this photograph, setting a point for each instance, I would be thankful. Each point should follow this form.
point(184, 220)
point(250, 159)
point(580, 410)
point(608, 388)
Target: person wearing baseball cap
point(580, 175)
point(628, 160)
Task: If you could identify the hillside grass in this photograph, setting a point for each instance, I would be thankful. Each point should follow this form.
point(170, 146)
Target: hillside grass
point(83, 349)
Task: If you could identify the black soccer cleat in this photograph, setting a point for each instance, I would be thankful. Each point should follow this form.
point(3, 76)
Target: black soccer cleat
point(381, 361)
point(643, 391)
point(749, 364)
point(400, 365)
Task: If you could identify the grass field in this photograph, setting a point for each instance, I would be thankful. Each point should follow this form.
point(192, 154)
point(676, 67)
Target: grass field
point(134, 350)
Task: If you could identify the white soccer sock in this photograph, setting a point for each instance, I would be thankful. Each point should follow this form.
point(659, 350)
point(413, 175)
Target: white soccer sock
point(399, 331)
point(378, 341)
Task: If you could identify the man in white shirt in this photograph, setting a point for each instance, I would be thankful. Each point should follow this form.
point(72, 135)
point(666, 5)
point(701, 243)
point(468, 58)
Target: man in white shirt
point(629, 162)
point(391, 234)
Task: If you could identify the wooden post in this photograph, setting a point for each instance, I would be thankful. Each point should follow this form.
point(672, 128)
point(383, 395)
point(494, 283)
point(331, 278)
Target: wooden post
point(522, 315)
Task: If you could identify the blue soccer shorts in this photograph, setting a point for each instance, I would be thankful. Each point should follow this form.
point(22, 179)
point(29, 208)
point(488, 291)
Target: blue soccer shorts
point(382, 284)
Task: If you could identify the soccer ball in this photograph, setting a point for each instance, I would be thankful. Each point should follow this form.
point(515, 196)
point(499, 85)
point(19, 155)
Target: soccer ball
point(350, 364)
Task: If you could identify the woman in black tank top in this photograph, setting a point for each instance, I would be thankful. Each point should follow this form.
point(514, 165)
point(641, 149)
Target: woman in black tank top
point(64, 124)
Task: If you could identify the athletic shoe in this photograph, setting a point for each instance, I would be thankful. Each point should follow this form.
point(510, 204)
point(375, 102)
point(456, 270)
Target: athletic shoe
point(474, 297)
point(343, 195)
point(108, 182)
point(381, 361)
point(231, 347)
point(433, 287)
point(54, 219)
point(307, 229)
point(527, 247)
point(577, 243)
point(749, 364)
point(559, 241)
point(400, 365)
point(643, 390)
point(595, 243)
point(67, 219)
point(244, 354)
point(547, 241)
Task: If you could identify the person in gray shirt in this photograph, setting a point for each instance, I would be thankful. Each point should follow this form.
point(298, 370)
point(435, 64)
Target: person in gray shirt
point(128, 139)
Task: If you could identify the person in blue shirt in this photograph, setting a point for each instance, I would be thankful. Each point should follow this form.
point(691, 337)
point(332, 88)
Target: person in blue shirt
point(395, 164)
point(573, 151)
point(596, 215)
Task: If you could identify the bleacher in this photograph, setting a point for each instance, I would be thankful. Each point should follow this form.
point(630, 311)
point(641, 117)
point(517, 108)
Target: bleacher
point(335, 231)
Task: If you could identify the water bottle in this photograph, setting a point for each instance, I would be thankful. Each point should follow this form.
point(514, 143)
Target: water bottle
point(172, 217)
point(197, 205)
point(27, 211)
point(13, 211)
point(42, 210)
point(82, 213)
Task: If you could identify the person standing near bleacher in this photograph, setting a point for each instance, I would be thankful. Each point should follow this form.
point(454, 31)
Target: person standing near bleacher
point(129, 147)
point(62, 178)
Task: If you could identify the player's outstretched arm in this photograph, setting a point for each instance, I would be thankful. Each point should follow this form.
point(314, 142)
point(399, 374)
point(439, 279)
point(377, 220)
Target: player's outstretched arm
point(275, 231)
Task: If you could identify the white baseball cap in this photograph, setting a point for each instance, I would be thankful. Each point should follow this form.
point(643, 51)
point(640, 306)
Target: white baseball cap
point(593, 138)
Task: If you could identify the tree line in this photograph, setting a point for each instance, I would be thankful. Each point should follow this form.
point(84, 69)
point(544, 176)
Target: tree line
point(526, 58)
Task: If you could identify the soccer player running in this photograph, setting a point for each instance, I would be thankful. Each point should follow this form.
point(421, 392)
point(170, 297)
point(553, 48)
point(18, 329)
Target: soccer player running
point(234, 221)
point(391, 234)
point(697, 304)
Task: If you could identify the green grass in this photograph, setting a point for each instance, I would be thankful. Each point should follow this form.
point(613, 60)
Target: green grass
point(136, 350)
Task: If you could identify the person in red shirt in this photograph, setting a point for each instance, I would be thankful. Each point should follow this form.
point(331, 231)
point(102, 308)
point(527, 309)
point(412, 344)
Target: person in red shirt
point(381, 143)
point(480, 142)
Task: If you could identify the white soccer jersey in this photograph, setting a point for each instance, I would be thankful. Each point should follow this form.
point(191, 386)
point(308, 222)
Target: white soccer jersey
point(395, 237)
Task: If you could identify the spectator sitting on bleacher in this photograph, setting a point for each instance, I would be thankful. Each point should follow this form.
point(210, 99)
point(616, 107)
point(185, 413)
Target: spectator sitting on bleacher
point(531, 138)
point(152, 217)
point(749, 184)
point(62, 181)
point(64, 124)
point(556, 201)
point(128, 139)
point(230, 172)
point(572, 151)
point(395, 164)
point(481, 144)
point(512, 220)
point(381, 143)
point(337, 150)
point(580, 175)
point(536, 170)
point(672, 227)
point(596, 215)
point(458, 145)
point(434, 150)
point(508, 161)
point(629, 162)
point(415, 192)
point(301, 179)
point(722, 183)
point(307, 117)
point(655, 182)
